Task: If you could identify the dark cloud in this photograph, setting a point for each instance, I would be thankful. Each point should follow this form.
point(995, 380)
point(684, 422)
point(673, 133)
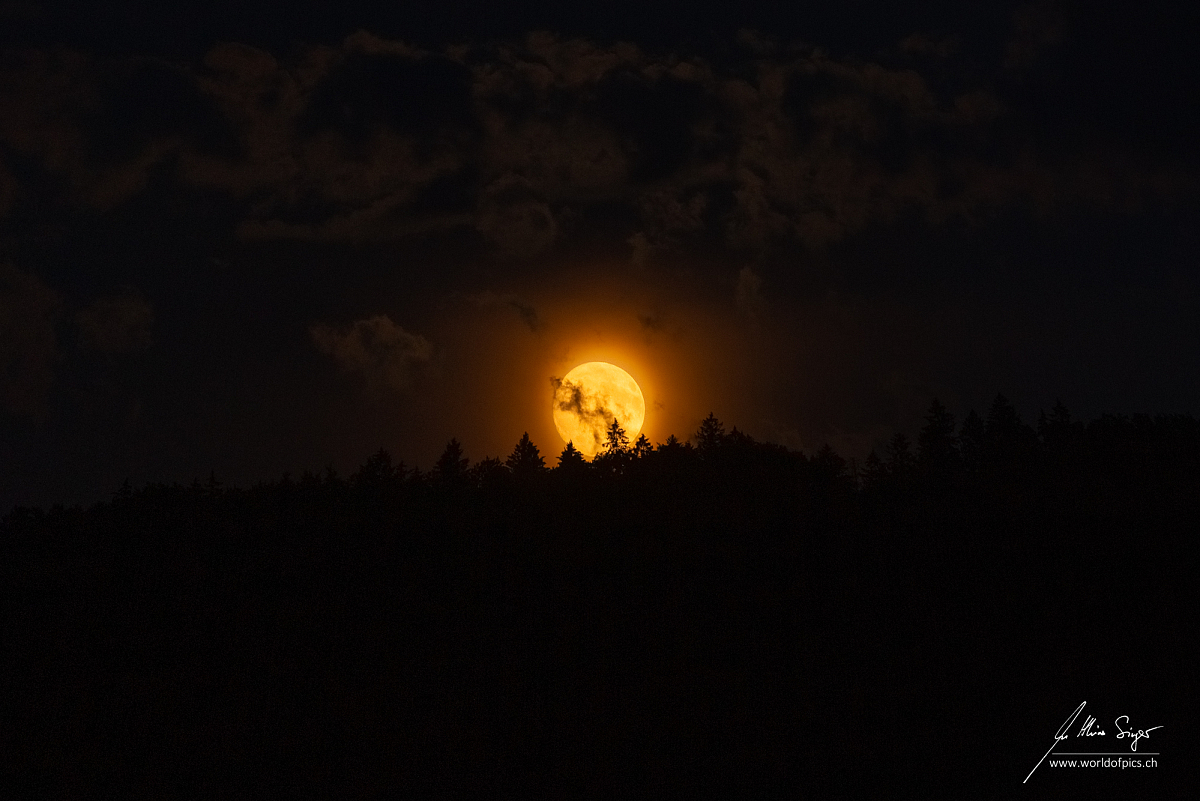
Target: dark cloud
point(652, 325)
point(44, 95)
point(376, 140)
point(104, 125)
point(668, 217)
point(374, 84)
point(513, 217)
point(341, 144)
point(140, 102)
point(589, 408)
point(116, 324)
point(525, 310)
point(810, 240)
point(28, 344)
point(654, 113)
point(380, 351)
point(528, 315)
point(650, 322)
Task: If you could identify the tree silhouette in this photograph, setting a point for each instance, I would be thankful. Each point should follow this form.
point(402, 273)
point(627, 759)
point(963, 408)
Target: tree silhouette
point(827, 464)
point(451, 467)
point(377, 472)
point(616, 455)
point(616, 440)
point(1008, 440)
point(711, 433)
point(874, 474)
point(488, 472)
point(739, 439)
point(721, 566)
point(124, 492)
point(900, 461)
point(642, 447)
point(937, 446)
point(525, 461)
point(1055, 429)
point(419, 477)
point(972, 437)
point(571, 460)
point(1003, 424)
point(674, 453)
point(672, 444)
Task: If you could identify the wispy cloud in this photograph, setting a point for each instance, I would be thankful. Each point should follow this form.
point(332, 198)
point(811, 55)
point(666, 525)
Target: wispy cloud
point(524, 309)
point(376, 348)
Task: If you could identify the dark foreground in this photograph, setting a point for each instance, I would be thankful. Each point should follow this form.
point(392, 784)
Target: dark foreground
point(734, 620)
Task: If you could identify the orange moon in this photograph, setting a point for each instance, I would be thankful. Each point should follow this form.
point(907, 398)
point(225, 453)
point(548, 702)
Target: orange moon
point(589, 398)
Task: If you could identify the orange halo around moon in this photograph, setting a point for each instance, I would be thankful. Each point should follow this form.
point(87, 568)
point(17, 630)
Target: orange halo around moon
point(589, 398)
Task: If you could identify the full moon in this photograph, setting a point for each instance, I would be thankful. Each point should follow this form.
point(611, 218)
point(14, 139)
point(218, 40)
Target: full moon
point(589, 398)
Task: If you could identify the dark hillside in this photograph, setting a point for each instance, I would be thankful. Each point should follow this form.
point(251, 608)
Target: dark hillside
point(732, 618)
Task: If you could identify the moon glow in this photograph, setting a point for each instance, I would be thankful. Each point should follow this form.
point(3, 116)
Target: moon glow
point(589, 398)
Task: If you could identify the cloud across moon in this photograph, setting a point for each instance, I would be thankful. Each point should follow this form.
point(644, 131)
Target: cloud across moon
point(589, 398)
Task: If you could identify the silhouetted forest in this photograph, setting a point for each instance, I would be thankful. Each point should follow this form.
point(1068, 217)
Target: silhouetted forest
point(717, 616)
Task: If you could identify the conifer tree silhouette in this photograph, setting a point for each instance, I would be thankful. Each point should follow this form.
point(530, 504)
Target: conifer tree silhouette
point(571, 460)
point(711, 433)
point(900, 461)
point(740, 439)
point(937, 446)
point(616, 454)
point(874, 474)
point(672, 444)
point(616, 440)
point(488, 472)
point(377, 471)
point(971, 439)
point(451, 467)
point(525, 460)
point(429, 597)
point(1055, 429)
point(827, 463)
point(1007, 439)
point(1003, 424)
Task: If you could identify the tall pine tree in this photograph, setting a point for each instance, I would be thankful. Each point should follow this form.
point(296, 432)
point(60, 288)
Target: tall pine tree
point(616, 440)
point(711, 433)
point(571, 460)
point(525, 461)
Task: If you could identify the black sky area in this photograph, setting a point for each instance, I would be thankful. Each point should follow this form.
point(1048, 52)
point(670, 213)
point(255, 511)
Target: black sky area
point(249, 241)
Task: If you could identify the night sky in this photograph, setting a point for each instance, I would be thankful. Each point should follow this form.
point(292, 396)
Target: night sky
point(245, 242)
